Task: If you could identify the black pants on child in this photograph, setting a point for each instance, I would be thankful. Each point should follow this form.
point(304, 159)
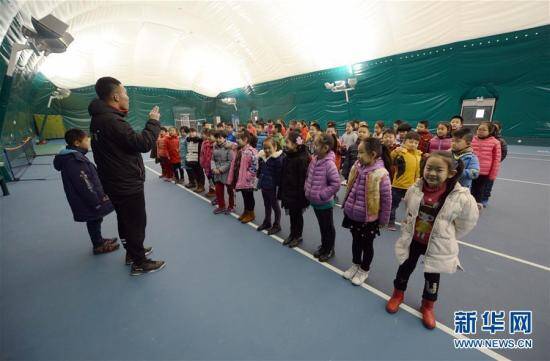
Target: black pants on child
point(328, 233)
point(396, 195)
point(478, 187)
point(94, 230)
point(198, 174)
point(363, 243)
point(178, 172)
point(248, 199)
point(431, 280)
point(296, 222)
point(132, 220)
point(271, 203)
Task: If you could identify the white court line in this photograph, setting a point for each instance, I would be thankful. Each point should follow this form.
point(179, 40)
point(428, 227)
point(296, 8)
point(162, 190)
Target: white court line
point(541, 160)
point(522, 181)
point(534, 155)
point(373, 290)
point(496, 253)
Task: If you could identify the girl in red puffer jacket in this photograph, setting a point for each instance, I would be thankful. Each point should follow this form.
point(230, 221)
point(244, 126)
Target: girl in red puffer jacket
point(172, 142)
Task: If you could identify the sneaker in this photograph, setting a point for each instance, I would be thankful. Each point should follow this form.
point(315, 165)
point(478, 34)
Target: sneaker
point(480, 206)
point(263, 227)
point(147, 266)
point(392, 227)
point(211, 193)
point(191, 186)
point(485, 204)
point(219, 210)
point(199, 189)
point(318, 252)
point(274, 230)
point(295, 242)
point(326, 256)
point(230, 210)
point(351, 272)
point(360, 277)
point(214, 202)
point(344, 183)
point(106, 247)
point(129, 260)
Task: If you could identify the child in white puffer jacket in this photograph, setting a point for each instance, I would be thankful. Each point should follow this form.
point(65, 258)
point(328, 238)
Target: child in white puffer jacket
point(439, 211)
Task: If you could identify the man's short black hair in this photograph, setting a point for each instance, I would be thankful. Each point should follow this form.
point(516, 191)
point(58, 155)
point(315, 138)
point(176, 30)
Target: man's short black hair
point(74, 135)
point(105, 86)
point(404, 127)
point(464, 133)
point(388, 131)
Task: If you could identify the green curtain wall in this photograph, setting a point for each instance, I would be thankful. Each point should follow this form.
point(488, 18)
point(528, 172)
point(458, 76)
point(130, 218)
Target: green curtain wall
point(425, 84)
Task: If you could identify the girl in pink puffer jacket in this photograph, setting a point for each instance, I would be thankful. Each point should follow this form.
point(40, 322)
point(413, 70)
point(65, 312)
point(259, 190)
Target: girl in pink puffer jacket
point(242, 173)
point(322, 184)
point(487, 149)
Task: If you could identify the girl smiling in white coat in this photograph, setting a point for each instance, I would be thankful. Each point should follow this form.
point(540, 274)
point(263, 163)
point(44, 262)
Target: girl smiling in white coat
point(439, 210)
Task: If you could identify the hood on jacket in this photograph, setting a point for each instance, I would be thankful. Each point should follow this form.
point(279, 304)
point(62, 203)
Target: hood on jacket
point(329, 157)
point(463, 152)
point(299, 152)
point(65, 155)
point(277, 154)
point(98, 106)
point(379, 163)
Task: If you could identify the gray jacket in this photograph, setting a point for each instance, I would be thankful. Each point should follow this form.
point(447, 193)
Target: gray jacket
point(222, 155)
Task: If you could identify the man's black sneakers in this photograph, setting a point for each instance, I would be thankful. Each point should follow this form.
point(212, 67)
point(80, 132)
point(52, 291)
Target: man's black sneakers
point(146, 266)
point(129, 260)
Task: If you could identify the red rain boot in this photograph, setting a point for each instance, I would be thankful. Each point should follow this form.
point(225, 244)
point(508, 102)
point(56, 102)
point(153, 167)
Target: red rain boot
point(428, 316)
point(396, 299)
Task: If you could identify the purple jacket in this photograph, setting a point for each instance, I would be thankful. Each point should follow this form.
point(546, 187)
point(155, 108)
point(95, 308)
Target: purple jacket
point(355, 204)
point(323, 180)
point(437, 143)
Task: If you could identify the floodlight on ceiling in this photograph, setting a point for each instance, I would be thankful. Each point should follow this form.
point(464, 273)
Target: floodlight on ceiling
point(342, 86)
point(49, 35)
point(230, 101)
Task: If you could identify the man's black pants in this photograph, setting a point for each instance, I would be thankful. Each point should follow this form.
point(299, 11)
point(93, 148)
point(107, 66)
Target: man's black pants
point(131, 219)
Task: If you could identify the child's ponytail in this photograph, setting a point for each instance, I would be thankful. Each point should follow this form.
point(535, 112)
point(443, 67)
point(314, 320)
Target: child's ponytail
point(374, 145)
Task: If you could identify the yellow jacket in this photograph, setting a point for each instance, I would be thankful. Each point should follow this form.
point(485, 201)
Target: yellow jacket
point(406, 167)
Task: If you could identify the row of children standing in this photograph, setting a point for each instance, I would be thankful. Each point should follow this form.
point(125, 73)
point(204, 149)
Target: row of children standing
point(306, 173)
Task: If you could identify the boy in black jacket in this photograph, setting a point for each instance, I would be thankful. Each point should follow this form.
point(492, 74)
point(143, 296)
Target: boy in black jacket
point(84, 191)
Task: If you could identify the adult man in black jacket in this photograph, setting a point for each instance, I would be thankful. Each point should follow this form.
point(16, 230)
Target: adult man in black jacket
point(117, 152)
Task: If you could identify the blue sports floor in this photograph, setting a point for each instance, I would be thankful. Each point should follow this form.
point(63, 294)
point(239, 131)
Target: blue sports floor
point(229, 292)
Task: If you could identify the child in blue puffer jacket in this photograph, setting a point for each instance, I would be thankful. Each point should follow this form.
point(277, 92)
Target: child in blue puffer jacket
point(461, 149)
point(83, 189)
point(269, 179)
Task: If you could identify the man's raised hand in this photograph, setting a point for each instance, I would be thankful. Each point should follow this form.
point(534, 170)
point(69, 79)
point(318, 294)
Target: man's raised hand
point(154, 113)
